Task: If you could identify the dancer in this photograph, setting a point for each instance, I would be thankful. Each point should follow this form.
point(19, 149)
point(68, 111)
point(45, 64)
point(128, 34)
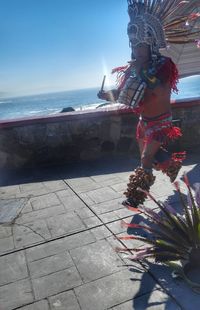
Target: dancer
point(145, 85)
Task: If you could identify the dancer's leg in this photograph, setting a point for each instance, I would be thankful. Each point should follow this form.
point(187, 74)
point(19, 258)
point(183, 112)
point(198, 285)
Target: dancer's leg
point(142, 177)
point(148, 153)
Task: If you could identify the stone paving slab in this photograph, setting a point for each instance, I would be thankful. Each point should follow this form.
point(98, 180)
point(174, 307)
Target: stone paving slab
point(55, 185)
point(5, 231)
point(59, 246)
point(56, 282)
point(50, 264)
point(92, 222)
point(32, 187)
point(41, 214)
point(116, 227)
point(9, 191)
point(64, 224)
point(101, 232)
point(40, 305)
point(119, 187)
point(64, 301)
point(103, 194)
point(10, 209)
point(107, 179)
point(15, 294)
point(88, 201)
point(44, 201)
point(124, 243)
point(111, 290)
point(107, 206)
point(101, 178)
point(95, 260)
point(72, 203)
point(30, 233)
point(81, 185)
point(108, 217)
point(67, 192)
point(124, 213)
point(124, 176)
point(13, 268)
point(32, 192)
point(6, 245)
point(84, 213)
point(27, 207)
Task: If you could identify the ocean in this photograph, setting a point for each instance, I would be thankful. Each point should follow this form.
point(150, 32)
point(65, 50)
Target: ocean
point(48, 104)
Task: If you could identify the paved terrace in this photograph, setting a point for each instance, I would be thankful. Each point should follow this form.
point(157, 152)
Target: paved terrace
point(58, 253)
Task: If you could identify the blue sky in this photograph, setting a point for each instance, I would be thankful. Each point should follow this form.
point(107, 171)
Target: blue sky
point(56, 45)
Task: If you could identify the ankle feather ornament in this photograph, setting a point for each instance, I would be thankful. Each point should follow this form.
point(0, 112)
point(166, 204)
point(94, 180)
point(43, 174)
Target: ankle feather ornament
point(172, 167)
point(139, 179)
point(172, 170)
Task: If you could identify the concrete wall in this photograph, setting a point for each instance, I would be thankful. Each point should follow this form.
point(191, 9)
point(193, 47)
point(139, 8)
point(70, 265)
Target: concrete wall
point(75, 136)
point(189, 114)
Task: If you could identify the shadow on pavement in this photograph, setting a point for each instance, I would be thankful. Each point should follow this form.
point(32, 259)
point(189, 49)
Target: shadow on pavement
point(73, 170)
point(153, 299)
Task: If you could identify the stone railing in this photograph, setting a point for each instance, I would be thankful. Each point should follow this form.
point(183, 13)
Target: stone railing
point(88, 135)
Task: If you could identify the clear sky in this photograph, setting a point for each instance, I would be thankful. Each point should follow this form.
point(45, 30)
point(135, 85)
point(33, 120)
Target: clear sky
point(56, 45)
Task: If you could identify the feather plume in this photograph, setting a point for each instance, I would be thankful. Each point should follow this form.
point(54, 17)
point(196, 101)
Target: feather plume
point(173, 15)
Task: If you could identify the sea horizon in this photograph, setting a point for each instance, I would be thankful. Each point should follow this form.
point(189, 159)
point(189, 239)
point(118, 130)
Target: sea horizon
point(45, 93)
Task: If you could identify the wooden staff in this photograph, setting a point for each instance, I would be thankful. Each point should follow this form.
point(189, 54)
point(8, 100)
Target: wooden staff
point(103, 82)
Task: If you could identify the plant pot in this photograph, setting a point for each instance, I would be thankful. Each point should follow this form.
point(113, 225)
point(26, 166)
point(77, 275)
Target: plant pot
point(192, 276)
point(194, 258)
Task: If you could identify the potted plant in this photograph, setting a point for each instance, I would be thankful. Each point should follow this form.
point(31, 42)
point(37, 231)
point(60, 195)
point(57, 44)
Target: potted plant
point(176, 237)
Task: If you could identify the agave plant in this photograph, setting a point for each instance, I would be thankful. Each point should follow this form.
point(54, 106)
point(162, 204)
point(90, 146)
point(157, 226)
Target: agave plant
point(176, 237)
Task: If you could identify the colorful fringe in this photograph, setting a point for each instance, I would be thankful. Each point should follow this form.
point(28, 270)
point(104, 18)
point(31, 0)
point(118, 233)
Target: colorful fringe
point(123, 73)
point(168, 72)
point(158, 128)
point(175, 157)
point(163, 71)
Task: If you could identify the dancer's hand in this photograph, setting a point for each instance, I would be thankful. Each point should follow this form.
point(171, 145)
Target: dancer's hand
point(103, 95)
point(111, 95)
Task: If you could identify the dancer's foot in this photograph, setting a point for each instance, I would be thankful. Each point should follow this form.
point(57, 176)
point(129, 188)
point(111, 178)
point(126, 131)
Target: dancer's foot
point(173, 170)
point(130, 202)
point(156, 166)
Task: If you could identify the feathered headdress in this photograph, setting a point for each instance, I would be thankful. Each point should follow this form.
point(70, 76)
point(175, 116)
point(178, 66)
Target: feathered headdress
point(161, 22)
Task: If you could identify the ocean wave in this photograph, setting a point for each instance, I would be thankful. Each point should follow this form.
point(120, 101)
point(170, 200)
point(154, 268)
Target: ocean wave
point(87, 107)
point(6, 101)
